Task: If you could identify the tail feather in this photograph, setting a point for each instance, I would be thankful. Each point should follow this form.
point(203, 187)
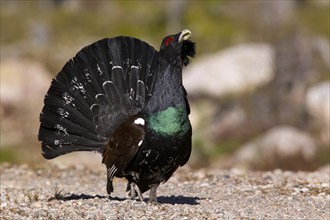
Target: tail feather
point(115, 52)
point(141, 93)
point(56, 143)
point(67, 112)
point(54, 121)
point(118, 79)
point(106, 83)
point(67, 98)
point(94, 60)
point(149, 78)
point(111, 92)
point(133, 76)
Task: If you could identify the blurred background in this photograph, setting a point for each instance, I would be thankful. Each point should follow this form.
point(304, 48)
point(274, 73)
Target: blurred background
point(259, 85)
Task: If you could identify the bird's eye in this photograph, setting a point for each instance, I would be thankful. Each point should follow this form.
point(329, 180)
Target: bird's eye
point(168, 41)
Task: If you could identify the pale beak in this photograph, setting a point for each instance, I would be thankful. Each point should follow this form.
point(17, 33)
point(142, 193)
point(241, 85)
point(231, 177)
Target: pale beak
point(185, 35)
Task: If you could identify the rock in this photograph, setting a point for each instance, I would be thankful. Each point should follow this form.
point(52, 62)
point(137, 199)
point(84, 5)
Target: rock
point(234, 70)
point(325, 169)
point(322, 46)
point(318, 106)
point(282, 147)
point(24, 84)
point(295, 72)
point(227, 122)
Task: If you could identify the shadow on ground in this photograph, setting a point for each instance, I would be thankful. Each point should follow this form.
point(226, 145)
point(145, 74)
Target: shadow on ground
point(178, 200)
point(68, 197)
point(162, 199)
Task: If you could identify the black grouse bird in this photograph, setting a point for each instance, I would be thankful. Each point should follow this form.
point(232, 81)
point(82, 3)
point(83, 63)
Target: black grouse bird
point(122, 98)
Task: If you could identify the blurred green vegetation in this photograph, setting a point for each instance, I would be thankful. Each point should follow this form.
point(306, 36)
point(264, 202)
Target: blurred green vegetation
point(213, 24)
point(315, 19)
point(8, 154)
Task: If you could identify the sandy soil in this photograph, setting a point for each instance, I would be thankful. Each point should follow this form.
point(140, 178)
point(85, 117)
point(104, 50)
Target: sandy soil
point(79, 192)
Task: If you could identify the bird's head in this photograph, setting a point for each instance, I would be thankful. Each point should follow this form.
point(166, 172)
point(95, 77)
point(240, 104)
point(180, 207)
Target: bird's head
point(178, 47)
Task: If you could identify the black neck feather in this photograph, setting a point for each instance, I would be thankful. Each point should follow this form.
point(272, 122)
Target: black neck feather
point(188, 50)
point(168, 91)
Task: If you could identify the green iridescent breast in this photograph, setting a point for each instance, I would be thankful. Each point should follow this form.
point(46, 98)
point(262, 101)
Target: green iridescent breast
point(172, 121)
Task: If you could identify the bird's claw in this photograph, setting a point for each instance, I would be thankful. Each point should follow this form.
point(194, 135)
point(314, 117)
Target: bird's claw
point(134, 189)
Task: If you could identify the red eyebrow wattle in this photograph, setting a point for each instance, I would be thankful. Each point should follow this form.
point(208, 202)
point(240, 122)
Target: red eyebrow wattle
point(168, 40)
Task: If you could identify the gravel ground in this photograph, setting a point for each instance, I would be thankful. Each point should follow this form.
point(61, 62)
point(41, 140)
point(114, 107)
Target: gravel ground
point(79, 192)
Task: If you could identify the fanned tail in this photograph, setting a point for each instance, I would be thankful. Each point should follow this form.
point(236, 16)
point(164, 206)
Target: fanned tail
point(100, 88)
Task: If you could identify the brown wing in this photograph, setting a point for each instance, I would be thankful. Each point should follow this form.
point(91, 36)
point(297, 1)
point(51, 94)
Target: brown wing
point(121, 147)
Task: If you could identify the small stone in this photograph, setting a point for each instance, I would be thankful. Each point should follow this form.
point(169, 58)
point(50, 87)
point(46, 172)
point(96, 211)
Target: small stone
point(36, 205)
point(304, 190)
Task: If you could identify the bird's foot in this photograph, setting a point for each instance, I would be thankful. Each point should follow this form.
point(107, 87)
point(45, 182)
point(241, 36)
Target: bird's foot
point(153, 193)
point(134, 189)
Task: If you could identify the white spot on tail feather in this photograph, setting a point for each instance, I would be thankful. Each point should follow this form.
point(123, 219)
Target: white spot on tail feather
point(131, 93)
point(97, 95)
point(88, 75)
point(117, 67)
point(78, 86)
point(106, 82)
point(99, 69)
point(135, 67)
point(139, 121)
point(67, 98)
point(61, 128)
point(63, 113)
point(140, 143)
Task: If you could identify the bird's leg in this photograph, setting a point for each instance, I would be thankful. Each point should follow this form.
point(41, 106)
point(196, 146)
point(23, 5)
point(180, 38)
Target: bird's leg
point(135, 189)
point(109, 187)
point(153, 193)
point(132, 192)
